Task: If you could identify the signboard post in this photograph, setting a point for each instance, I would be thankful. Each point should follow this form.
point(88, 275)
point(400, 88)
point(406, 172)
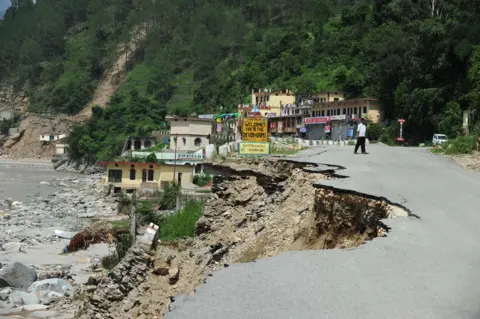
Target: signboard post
point(400, 139)
point(254, 137)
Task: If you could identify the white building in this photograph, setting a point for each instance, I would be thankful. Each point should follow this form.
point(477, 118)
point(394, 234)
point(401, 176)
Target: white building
point(189, 134)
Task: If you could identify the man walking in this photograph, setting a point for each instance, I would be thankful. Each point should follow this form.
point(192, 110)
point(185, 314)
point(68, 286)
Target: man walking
point(361, 133)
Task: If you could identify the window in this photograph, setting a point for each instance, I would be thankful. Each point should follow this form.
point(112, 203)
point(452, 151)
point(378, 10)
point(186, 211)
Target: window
point(365, 110)
point(114, 175)
point(336, 99)
point(356, 111)
point(323, 112)
point(344, 111)
point(338, 111)
point(198, 141)
point(184, 141)
point(148, 144)
point(133, 173)
point(150, 175)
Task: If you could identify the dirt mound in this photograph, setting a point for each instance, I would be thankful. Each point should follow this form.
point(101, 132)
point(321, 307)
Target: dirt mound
point(32, 127)
point(259, 208)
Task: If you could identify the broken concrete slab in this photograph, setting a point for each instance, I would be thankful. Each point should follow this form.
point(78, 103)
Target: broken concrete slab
point(50, 290)
point(17, 275)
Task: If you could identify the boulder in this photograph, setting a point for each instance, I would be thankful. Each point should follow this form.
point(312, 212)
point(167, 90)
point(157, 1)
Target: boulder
point(13, 247)
point(17, 275)
point(44, 287)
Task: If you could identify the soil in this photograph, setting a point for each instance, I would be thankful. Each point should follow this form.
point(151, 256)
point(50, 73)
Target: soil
point(469, 161)
point(259, 208)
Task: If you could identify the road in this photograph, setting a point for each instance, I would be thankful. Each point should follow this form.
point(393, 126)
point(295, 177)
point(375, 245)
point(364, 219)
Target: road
point(426, 268)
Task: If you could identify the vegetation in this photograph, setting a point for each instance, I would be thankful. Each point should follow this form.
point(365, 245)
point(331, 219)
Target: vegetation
point(458, 145)
point(419, 57)
point(202, 179)
point(6, 124)
point(121, 247)
point(181, 224)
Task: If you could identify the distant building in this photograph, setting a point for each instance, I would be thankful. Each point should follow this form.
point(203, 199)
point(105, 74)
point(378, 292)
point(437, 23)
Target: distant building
point(135, 143)
point(61, 149)
point(189, 134)
point(133, 175)
point(51, 137)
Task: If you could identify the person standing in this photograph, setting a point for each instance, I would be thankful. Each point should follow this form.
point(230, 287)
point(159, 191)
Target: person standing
point(361, 133)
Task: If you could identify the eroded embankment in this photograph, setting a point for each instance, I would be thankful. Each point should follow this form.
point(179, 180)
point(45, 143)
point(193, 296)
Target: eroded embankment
point(259, 208)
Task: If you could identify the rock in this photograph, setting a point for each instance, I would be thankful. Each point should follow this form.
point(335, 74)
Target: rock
point(34, 307)
point(50, 290)
point(6, 217)
point(161, 271)
point(13, 247)
point(17, 275)
point(173, 275)
point(4, 293)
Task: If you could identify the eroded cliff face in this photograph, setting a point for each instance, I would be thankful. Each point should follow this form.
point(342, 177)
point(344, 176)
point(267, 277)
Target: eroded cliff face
point(12, 101)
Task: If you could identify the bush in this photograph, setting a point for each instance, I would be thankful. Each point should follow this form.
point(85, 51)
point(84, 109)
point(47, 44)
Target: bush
point(169, 197)
point(459, 145)
point(374, 131)
point(182, 224)
point(202, 179)
point(146, 213)
point(122, 245)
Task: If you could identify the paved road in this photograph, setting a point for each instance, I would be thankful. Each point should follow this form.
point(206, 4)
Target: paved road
point(425, 268)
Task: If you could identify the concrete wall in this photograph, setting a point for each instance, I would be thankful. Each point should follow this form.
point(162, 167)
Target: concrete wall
point(161, 173)
point(183, 127)
point(187, 142)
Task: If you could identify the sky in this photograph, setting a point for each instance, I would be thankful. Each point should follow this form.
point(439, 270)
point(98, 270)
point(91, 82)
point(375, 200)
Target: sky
point(4, 4)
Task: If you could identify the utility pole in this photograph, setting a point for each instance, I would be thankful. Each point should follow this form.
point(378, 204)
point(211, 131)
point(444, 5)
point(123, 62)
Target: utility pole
point(175, 158)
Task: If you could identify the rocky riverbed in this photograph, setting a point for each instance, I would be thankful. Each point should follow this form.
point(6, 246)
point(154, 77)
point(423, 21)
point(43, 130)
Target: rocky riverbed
point(29, 218)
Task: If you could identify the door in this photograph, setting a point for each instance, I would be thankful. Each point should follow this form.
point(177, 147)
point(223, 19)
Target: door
point(180, 179)
point(144, 176)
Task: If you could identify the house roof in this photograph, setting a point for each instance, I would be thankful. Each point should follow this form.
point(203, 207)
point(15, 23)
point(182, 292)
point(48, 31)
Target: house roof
point(178, 118)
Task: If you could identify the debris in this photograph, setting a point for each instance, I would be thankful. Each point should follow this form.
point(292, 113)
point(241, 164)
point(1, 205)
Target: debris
point(149, 235)
point(17, 275)
point(161, 271)
point(95, 233)
point(64, 234)
point(173, 275)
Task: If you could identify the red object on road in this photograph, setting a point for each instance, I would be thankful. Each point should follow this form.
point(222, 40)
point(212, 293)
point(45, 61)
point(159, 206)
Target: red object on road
point(401, 121)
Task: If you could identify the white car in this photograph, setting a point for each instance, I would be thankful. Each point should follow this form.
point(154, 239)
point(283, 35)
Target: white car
point(439, 139)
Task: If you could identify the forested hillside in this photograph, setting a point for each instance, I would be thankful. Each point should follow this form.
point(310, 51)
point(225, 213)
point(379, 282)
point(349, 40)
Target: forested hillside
point(419, 57)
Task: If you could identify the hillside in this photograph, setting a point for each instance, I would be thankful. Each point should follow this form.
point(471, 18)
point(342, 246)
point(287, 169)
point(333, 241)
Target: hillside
point(419, 57)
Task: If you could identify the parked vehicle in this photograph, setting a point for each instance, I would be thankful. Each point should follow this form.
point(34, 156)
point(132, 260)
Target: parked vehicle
point(439, 139)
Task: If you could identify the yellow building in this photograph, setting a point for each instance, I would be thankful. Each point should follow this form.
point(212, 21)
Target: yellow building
point(270, 102)
point(133, 175)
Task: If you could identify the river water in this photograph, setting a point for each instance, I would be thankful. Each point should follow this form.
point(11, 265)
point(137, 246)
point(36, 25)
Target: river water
point(20, 180)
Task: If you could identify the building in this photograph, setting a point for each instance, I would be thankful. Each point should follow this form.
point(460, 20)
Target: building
point(61, 149)
point(135, 175)
point(51, 137)
point(337, 120)
point(135, 143)
point(268, 102)
point(189, 134)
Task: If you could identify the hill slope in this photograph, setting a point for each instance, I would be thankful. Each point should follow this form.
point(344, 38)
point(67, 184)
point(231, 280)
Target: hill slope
point(198, 56)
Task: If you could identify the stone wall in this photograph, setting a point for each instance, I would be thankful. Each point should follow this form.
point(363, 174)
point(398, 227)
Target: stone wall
point(109, 290)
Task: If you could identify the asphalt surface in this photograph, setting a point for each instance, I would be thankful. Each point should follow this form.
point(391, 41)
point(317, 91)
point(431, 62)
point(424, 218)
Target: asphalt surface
point(425, 268)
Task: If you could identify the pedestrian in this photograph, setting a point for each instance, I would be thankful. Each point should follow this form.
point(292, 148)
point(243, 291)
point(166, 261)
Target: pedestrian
point(361, 133)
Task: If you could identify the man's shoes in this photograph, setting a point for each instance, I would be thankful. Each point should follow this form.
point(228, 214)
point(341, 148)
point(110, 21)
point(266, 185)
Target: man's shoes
point(365, 153)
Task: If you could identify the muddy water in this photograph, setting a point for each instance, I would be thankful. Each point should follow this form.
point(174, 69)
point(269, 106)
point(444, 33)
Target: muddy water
point(20, 179)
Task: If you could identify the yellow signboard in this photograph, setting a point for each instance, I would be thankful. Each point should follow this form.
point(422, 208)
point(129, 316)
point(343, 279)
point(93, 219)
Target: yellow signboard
point(255, 129)
point(254, 148)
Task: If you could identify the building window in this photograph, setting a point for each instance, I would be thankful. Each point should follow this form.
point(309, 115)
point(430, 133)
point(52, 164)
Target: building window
point(356, 111)
point(148, 144)
point(132, 174)
point(114, 175)
point(323, 112)
point(336, 99)
point(344, 111)
point(137, 144)
point(150, 175)
point(184, 141)
point(198, 141)
point(365, 110)
point(328, 112)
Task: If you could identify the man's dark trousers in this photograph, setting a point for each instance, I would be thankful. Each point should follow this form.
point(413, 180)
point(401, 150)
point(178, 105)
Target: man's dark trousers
point(360, 142)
